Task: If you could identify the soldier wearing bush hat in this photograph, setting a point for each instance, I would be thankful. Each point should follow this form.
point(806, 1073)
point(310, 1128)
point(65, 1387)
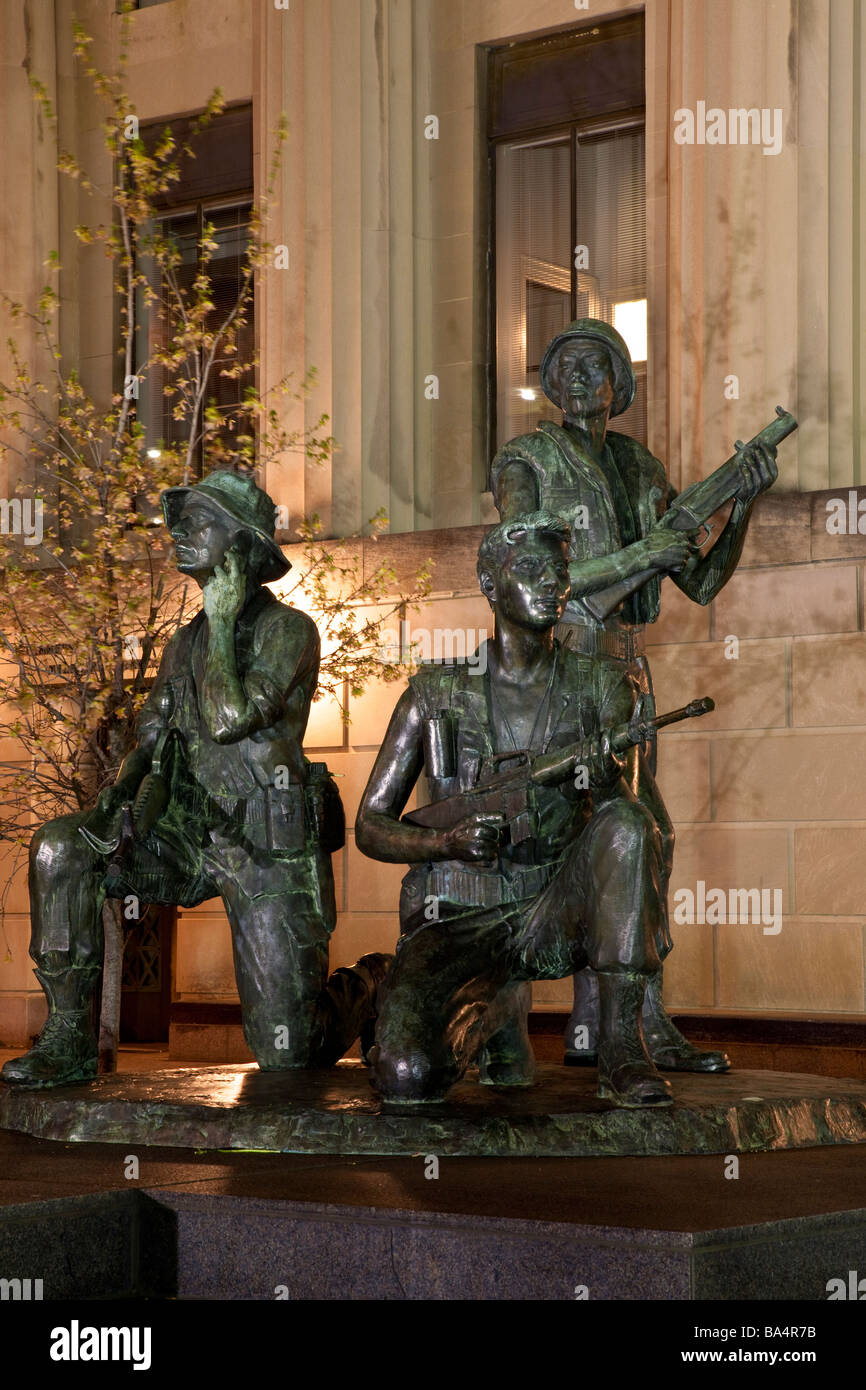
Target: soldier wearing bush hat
point(215, 800)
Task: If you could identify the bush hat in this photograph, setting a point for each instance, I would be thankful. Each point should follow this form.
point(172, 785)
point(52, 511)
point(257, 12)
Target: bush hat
point(237, 497)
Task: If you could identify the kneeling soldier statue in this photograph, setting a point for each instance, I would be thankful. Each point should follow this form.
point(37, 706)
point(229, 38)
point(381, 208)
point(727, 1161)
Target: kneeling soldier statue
point(534, 858)
point(216, 799)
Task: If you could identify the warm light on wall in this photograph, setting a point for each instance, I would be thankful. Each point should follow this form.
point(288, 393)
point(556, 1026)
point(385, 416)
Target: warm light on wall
point(289, 590)
point(630, 319)
point(527, 393)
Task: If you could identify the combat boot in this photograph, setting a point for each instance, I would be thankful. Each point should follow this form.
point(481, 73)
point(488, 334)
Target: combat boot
point(66, 1049)
point(581, 1035)
point(507, 1058)
point(626, 1074)
point(667, 1046)
point(350, 1010)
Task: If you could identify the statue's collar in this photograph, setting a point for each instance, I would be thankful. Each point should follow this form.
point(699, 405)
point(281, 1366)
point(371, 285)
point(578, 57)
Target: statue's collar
point(473, 696)
point(577, 454)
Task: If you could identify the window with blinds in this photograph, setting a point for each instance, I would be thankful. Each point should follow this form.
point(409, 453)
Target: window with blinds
point(566, 136)
point(213, 190)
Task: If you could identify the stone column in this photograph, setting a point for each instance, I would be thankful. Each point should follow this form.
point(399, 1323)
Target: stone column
point(732, 239)
point(28, 188)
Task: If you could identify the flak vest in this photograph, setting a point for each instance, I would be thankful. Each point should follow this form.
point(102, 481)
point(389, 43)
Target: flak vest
point(572, 484)
point(460, 753)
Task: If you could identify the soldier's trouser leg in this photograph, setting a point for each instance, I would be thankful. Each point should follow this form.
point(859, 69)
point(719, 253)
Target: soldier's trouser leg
point(66, 897)
point(605, 905)
point(293, 1016)
point(669, 1049)
point(438, 1005)
point(453, 980)
point(507, 1058)
point(581, 1034)
point(612, 880)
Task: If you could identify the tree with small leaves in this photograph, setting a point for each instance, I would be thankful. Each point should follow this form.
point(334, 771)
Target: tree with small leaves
point(86, 613)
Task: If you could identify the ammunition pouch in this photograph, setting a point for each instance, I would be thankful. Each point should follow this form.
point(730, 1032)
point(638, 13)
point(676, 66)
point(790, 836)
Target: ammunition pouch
point(285, 818)
point(105, 833)
point(325, 815)
point(156, 789)
point(460, 885)
point(626, 643)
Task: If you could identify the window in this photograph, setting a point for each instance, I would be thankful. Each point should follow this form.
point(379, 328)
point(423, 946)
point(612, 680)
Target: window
point(215, 189)
point(567, 166)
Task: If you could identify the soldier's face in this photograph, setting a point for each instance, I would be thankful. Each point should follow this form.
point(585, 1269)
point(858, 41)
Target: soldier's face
point(533, 586)
point(201, 538)
point(585, 377)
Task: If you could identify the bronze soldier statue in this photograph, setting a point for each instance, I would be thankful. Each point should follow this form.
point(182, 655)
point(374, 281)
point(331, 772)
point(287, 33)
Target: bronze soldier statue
point(616, 496)
point(216, 799)
point(569, 871)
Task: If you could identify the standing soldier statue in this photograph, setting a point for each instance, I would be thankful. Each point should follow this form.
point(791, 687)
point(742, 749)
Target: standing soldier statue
point(629, 529)
point(216, 799)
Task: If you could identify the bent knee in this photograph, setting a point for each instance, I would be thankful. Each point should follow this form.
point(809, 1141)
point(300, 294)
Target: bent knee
point(57, 847)
point(404, 1074)
point(628, 820)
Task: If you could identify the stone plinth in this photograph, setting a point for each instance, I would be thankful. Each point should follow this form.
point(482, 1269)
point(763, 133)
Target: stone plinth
point(335, 1112)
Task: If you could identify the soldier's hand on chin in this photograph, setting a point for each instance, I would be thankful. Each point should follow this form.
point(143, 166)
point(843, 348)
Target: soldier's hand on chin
point(475, 839)
point(224, 593)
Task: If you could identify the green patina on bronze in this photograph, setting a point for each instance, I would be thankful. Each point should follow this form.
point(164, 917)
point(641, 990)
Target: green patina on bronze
point(629, 530)
point(216, 799)
point(335, 1112)
point(524, 875)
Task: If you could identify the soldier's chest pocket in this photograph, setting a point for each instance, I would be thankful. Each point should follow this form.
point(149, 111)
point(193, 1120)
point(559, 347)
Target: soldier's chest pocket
point(572, 789)
point(285, 819)
point(178, 703)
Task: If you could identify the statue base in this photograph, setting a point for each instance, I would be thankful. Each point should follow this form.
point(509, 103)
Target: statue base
point(336, 1112)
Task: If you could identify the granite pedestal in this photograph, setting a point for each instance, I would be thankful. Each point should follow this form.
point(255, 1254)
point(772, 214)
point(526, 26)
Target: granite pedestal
point(298, 1199)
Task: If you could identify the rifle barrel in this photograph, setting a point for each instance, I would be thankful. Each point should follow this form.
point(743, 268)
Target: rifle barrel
point(693, 710)
point(636, 733)
point(682, 512)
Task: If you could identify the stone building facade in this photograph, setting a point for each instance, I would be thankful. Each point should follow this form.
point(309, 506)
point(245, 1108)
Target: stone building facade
point(754, 281)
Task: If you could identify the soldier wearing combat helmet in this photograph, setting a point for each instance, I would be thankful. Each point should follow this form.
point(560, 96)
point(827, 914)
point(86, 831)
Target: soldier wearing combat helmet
point(614, 493)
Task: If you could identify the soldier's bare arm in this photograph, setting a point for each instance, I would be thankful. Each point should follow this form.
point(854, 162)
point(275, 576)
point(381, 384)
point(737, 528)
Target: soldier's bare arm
point(378, 830)
point(702, 579)
point(516, 493)
point(516, 490)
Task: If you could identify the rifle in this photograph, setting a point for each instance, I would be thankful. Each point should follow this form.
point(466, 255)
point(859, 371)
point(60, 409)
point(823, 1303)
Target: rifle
point(508, 794)
point(692, 510)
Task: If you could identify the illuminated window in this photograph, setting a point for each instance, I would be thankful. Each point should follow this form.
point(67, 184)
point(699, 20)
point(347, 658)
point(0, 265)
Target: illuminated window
point(215, 188)
point(568, 221)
